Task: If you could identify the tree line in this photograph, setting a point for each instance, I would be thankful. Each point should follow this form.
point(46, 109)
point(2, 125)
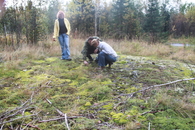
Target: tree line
point(151, 20)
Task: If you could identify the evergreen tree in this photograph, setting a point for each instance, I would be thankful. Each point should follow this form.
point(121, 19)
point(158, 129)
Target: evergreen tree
point(104, 20)
point(190, 20)
point(82, 14)
point(165, 22)
point(119, 10)
point(153, 21)
point(132, 20)
point(51, 15)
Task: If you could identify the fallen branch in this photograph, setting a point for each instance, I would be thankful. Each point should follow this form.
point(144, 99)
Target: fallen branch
point(60, 112)
point(12, 113)
point(154, 86)
point(21, 117)
point(29, 125)
point(152, 111)
point(2, 127)
point(66, 122)
point(8, 114)
point(60, 118)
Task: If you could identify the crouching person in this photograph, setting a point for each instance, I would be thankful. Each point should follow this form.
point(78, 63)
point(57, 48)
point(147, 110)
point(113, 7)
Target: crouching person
point(106, 56)
point(88, 50)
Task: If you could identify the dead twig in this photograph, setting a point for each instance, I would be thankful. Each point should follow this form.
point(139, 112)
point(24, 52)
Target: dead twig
point(14, 112)
point(2, 127)
point(66, 122)
point(59, 118)
point(29, 125)
point(61, 114)
point(154, 86)
point(152, 111)
point(21, 117)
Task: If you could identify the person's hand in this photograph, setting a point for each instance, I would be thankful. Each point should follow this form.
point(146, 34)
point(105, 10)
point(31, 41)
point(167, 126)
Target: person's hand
point(85, 62)
point(96, 50)
point(54, 39)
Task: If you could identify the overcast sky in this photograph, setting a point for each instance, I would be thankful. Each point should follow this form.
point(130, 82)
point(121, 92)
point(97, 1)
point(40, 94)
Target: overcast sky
point(13, 2)
point(188, 1)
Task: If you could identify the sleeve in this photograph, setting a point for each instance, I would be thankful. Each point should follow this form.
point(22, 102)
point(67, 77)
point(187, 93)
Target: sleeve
point(84, 51)
point(55, 29)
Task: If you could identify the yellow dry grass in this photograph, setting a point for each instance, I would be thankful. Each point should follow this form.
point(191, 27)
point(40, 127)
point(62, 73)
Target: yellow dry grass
point(49, 48)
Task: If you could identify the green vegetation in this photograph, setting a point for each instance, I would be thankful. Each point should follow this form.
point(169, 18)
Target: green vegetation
point(152, 21)
point(35, 93)
point(143, 90)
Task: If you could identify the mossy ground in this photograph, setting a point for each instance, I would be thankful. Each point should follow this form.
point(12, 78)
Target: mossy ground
point(91, 98)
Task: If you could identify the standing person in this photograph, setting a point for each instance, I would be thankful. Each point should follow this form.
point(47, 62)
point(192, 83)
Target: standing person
point(107, 54)
point(88, 49)
point(62, 31)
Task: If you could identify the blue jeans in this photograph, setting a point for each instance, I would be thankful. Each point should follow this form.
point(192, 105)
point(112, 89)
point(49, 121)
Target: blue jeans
point(104, 59)
point(64, 43)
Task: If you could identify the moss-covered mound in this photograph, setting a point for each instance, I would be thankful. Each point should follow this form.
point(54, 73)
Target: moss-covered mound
point(136, 93)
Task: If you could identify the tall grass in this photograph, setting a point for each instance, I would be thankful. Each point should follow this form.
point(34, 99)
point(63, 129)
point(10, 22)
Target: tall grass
point(48, 48)
point(158, 50)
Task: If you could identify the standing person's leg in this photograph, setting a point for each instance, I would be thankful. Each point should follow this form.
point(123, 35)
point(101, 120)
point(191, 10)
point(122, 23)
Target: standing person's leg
point(61, 41)
point(66, 46)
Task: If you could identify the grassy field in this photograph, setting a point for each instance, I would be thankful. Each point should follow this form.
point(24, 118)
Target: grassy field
point(149, 87)
point(135, 48)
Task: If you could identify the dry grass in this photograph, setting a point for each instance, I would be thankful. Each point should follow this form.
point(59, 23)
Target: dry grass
point(49, 48)
point(154, 50)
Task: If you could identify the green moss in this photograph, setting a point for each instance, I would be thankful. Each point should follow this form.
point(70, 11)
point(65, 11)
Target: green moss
point(5, 73)
point(74, 83)
point(4, 92)
point(185, 72)
point(84, 124)
point(109, 106)
point(87, 104)
point(131, 89)
point(154, 81)
point(41, 77)
point(51, 59)
point(122, 62)
point(119, 118)
point(172, 123)
point(80, 90)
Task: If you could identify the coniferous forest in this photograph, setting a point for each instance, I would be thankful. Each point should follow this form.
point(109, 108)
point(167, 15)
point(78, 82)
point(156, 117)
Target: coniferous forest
point(151, 86)
point(151, 20)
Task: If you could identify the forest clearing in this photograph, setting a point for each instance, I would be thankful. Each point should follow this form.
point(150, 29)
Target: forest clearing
point(152, 91)
point(151, 86)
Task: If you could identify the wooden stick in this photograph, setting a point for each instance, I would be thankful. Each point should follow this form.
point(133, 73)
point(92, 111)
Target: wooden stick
point(131, 94)
point(59, 118)
point(61, 113)
point(66, 122)
point(21, 117)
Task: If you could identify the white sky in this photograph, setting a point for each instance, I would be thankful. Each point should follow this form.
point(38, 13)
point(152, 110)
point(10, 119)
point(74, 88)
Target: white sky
point(188, 1)
point(16, 2)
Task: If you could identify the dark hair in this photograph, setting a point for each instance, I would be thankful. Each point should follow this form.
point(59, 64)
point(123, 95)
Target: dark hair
point(90, 38)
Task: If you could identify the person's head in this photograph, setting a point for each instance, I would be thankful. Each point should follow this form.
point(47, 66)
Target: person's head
point(60, 15)
point(94, 42)
point(89, 40)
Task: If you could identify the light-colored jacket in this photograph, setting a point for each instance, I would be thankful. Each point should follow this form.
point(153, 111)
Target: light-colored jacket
point(57, 27)
point(106, 48)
